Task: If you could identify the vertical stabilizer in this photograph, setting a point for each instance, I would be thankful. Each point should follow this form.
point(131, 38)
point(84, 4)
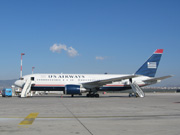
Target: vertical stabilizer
point(149, 68)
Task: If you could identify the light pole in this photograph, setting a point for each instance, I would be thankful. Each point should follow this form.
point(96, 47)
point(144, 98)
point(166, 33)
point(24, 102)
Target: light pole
point(21, 64)
point(33, 69)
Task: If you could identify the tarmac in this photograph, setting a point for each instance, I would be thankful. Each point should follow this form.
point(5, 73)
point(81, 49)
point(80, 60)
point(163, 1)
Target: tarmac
point(111, 114)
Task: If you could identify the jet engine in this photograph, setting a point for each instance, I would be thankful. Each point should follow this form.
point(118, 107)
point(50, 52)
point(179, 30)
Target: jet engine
point(73, 89)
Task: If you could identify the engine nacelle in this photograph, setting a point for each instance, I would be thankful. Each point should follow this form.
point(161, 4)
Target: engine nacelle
point(72, 89)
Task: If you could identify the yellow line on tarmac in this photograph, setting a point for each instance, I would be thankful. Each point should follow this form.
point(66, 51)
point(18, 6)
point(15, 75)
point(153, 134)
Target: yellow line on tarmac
point(29, 119)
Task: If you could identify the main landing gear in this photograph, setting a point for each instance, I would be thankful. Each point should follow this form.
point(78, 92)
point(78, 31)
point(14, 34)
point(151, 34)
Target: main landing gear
point(92, 94)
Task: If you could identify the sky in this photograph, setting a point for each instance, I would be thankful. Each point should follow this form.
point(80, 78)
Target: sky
point(88, 36)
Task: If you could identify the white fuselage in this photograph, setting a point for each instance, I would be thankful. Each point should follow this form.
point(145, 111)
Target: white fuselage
point(52, 82)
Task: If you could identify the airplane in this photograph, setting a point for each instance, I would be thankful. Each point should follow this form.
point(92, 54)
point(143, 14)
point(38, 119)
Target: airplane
point(76, 84)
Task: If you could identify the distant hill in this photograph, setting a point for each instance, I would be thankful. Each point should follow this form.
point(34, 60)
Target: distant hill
point(6, 83)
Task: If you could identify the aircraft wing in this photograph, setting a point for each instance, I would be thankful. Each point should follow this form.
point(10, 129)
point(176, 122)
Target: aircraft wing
point(100, 83)
point(157, 79)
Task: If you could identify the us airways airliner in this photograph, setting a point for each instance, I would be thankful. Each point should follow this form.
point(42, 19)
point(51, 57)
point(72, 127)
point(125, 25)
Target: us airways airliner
point(74, 84)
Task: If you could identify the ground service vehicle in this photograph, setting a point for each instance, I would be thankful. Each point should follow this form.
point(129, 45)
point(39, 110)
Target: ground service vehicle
point(6, 92)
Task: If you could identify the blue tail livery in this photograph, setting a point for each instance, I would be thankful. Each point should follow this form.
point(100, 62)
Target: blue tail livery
point(149, 68)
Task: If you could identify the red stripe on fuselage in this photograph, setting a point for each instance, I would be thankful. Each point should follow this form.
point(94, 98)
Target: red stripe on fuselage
point(49, 85)
point(115, 85)
point(122, 85)
point(63, 85)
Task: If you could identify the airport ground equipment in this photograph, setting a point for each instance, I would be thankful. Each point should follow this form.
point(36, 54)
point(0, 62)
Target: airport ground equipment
point(137, 90)
point(27, 88)
point(7, 92)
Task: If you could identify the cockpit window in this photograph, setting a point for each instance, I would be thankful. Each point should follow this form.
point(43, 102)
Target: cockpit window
point(21, 78)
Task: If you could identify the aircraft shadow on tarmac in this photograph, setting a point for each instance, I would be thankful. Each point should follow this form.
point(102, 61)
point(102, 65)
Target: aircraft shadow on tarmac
point(59, 96)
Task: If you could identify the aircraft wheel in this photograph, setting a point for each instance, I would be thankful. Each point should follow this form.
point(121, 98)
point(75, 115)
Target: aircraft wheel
point(136, 95)
point(130, 94)
point(96, 95)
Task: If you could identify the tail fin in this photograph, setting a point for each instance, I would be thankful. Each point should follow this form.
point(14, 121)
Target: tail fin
point(149, 68)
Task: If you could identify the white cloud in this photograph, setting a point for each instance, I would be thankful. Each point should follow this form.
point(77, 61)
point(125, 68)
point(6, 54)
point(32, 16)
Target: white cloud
point(100, 58)
point(72, 52)
point(58, 48)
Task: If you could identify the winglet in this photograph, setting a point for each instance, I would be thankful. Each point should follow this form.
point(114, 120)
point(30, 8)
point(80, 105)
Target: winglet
point(159, 51)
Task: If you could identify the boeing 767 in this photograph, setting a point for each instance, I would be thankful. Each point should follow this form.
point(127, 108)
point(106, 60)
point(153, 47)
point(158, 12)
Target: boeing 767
point(75, 84)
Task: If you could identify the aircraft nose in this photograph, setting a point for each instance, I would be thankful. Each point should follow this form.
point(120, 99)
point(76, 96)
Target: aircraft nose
point(19, 83)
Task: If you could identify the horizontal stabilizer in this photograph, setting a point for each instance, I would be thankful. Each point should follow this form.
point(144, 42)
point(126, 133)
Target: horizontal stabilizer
point(157, 79)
